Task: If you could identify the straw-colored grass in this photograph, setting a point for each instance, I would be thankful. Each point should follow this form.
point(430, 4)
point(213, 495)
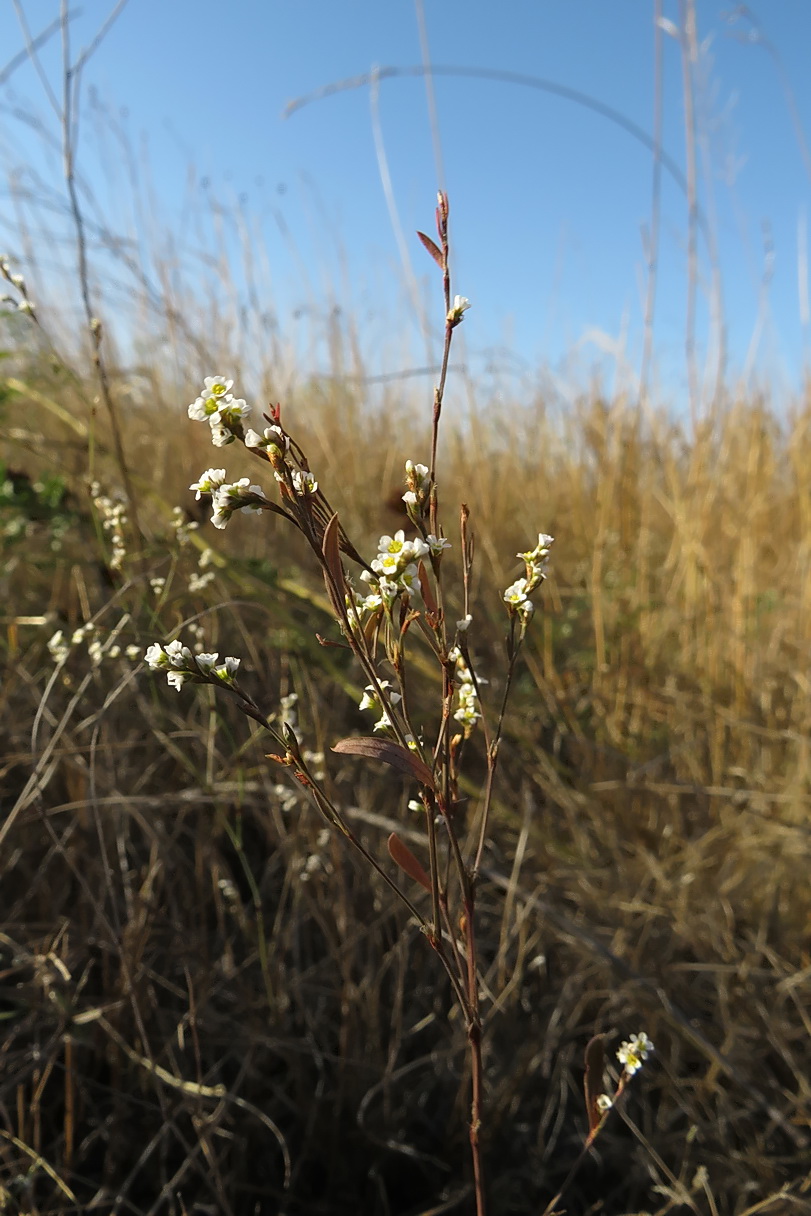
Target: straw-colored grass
point(201, 991)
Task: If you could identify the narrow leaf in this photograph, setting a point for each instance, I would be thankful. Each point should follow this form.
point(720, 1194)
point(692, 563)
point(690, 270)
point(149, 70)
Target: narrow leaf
point(593, 1080)
point(333, 571)
point(426, 589)
point(433, 249)
point(330, 547)
point(405, 859)
point(399, 758)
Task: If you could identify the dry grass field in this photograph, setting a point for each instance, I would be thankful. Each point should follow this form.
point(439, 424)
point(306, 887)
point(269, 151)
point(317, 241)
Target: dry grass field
point(208, 1006)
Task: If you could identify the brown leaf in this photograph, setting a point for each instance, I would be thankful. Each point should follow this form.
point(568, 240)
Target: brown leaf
point(426, 589)
point(333, 571)
point(433, 249)
point(405, 859)
point(593, 1080)
point(330, 547)
point(399, 758)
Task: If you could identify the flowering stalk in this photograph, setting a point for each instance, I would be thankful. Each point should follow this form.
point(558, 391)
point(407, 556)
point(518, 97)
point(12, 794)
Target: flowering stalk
point(376, 607)
point(632, 1054)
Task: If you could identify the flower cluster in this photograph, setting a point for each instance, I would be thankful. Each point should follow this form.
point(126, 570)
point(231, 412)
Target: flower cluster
point(228, 497)
point(418, 483)
point(536, 560)
point(201, 578)
point(224, 412)
point(25, 303)
point(467, 710)
point(113, 515)
point(182, 525)
point(99, 646)
point(394, 571)
point(633, 1053)
point(180, 665)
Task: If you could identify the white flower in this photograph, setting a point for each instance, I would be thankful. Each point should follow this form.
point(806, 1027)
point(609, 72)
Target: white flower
point(419, 472)
point(541, 550)
point(58, 647)
point(238, 496)
point(199, 582)
point(517, 593)
point(464, 624)
point(177, 679)
point(232, 410)
point(304, 483)
point(460, 306)
point(156, 657)
point(177, 653)
point(206, 662)
point(133, 652)
point(228, 670)
point(217, 386)
point(209, 481)
point(272, 436)
point(371, 699)
point(633, 1053)
point(203, 408)
point(157, 585)
point(603, 1103)
point(220, 435)
point(437, 545)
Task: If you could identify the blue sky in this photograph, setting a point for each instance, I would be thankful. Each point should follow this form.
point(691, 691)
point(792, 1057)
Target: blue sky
point(549, 198)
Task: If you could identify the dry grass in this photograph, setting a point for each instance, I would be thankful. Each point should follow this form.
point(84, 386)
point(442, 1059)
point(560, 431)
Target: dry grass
point(200, 991)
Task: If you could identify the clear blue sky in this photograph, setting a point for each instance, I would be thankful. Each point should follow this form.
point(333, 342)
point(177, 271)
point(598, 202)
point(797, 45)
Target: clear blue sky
point(549, 198)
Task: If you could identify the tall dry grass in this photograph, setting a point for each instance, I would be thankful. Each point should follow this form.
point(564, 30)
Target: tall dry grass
point(174, 920)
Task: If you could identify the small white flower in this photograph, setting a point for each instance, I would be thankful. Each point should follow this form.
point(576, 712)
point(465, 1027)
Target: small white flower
point(156, 657)
point(232, 410)
point(209, 481)
point(464, 624)
point(176, 679)
point(133, 652)
point(157, 585)
point(177, 653)
point(419, 472)
point(203, 408)
point(272, 436)
point(206, 662)
point(199, 582)
point(437, 545)
point(460, 306)
point(220, 435)
point(58, 647)
point(238, 496)
point(603, 1103)
point(517, 593)
point(228, 670)
point(304, 483)
point(217, 386)
point(634, 1051)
